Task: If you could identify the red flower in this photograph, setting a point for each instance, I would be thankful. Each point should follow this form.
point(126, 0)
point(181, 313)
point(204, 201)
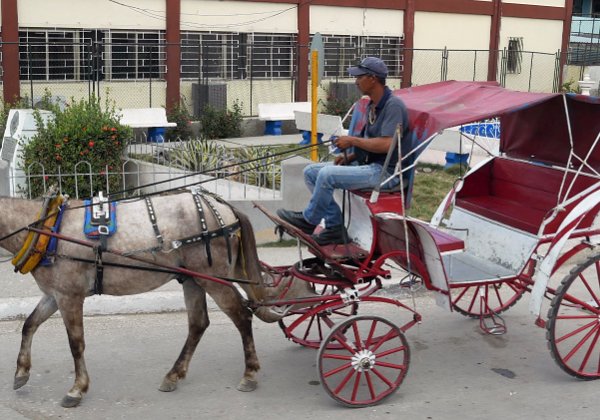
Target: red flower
point(58, 157)
point(91, 144)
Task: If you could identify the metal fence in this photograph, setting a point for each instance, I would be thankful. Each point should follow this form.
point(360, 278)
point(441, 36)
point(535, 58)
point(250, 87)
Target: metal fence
point(215, 71)
point(153, 167)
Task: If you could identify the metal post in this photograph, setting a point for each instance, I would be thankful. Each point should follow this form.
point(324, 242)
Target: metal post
point(30, 75)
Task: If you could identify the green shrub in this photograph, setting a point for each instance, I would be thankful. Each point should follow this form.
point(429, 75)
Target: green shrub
point(82, 132)
point(180, 115)
point(263, 169)
point(198, 155)
point(334, 105)
point(220, 124)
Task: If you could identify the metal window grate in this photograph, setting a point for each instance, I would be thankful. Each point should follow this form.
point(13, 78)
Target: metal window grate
point(515, 55)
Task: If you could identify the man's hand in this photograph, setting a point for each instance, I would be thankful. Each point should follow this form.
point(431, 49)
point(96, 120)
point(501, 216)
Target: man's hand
point(344, 142)
point(344, 159)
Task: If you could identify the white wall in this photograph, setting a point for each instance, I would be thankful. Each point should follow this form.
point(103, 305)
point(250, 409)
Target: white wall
point(437, 31)
point(455, 31)
point(540, 35)
point(554, 3)
point(237, 16)
point(356, 21)
point(90, 14)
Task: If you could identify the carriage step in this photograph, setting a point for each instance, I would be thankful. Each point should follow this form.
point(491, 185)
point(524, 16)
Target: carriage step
point(497, 326)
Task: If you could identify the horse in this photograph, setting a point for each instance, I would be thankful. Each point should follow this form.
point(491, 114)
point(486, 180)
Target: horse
point(71, 278)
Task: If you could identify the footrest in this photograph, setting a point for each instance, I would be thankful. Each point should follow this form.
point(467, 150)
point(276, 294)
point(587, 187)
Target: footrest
point(333, 253)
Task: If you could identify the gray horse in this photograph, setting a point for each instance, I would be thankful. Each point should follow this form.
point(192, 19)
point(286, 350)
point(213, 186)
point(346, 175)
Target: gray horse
point(66, 283)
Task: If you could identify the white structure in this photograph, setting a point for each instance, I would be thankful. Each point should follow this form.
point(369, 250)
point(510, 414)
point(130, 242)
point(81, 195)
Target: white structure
point(20, 128)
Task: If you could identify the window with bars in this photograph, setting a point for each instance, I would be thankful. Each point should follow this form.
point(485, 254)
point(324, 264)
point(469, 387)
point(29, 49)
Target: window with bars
point(134, 55)
point(54, 54)
point(514, 55)
point(237, 55)
point(343, 51)
point(211, 55)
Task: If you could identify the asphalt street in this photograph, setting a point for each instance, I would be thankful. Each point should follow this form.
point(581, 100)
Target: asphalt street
point(456, 372)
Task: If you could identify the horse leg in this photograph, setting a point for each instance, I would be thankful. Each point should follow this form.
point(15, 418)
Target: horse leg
point(44, 309)
point(71, 309)
point(195, 303)
point(230, 301)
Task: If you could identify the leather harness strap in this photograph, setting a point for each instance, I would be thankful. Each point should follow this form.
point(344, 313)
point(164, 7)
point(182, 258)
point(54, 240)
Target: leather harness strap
point(152, 216)
point(224, 230)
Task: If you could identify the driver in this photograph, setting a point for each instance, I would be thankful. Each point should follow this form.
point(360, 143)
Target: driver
point(361, 166)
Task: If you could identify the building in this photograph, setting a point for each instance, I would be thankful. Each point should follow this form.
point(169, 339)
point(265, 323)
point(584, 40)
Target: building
point(152, 52)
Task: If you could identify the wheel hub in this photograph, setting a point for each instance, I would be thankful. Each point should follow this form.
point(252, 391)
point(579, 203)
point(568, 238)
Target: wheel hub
point(363, 360)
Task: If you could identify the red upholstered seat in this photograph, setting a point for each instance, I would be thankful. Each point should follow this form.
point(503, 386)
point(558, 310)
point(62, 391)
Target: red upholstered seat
point(517, 194)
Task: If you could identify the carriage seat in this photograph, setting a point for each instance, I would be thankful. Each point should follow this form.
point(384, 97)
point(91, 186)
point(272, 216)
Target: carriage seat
point(518, 194)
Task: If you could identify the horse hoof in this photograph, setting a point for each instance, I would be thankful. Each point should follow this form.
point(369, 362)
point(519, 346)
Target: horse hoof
point(70, 402)
point(20, 381)
point(247, 385)
point(167, 386)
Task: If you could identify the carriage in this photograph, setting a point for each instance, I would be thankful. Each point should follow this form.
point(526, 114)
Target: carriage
point(505, 228)
point(511, 225)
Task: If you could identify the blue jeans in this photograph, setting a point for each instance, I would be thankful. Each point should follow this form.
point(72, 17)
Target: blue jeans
point(323, 178)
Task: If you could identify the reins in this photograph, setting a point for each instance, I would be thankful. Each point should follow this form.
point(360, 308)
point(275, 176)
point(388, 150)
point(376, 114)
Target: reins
point(226, 281)
point(151, 194)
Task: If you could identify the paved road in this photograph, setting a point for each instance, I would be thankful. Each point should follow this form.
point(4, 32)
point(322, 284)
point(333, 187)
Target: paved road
point(456, 372)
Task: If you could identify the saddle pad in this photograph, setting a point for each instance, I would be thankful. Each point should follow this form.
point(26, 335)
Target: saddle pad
point(91, 231)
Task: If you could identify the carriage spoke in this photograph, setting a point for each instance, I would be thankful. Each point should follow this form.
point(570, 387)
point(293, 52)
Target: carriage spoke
point(580, 344)
point(590, 349)
point(370, 385)
point(390, 351)
point(345, 381)
point(589, 289)
point(575, 332)
point(357, 339)
point(337, 370)
point(356, 384)
point(382, 377)
point(390, 365)
point(337, 356)
point(371, 332)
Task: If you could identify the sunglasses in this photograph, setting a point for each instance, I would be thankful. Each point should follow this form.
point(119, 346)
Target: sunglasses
point(360, 66)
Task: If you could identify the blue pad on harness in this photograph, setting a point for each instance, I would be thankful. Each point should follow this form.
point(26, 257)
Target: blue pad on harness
point(90, 230)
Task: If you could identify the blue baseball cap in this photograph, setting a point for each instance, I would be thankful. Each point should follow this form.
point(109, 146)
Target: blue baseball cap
point(369, 65)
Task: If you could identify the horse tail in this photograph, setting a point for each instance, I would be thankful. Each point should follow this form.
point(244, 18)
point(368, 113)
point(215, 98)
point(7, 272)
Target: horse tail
point(248, 261)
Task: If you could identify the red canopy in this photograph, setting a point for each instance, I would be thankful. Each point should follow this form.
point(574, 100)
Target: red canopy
point(533, 125)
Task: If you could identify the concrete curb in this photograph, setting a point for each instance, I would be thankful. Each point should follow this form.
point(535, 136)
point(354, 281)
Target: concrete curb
point(20, 293)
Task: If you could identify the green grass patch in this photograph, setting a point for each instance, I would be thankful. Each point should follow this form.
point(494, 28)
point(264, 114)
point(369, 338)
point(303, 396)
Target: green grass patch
point(432, 183)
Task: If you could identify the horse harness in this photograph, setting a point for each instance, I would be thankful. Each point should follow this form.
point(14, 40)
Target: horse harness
point(98, 209)
point(205, 235)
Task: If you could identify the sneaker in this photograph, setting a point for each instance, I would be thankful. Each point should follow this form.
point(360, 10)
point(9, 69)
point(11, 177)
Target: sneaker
point(332, 236)
point(296, 219)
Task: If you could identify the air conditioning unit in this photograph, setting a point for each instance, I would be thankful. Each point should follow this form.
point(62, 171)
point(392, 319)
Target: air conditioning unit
point(344, 91)
point(20, 128)
point(211, 93)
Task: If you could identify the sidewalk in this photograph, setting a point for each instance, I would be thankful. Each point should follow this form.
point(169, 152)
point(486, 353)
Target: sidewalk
point(20, 294)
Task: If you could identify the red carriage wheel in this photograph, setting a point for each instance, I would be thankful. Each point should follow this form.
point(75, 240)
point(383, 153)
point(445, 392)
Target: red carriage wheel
point(309, 326)
point(574, 321)
point(363, 360)
point(488, 299)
